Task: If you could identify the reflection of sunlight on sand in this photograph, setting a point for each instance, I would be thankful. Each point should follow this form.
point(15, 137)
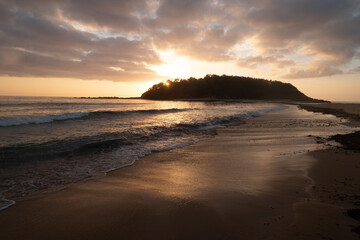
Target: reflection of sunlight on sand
point(197, 179)
point(181, 182)
point(249, 160)
point(254, 163)
point(188, 179)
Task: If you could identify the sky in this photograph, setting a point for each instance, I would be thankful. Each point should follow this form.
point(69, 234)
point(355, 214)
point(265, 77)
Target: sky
point(123, 47)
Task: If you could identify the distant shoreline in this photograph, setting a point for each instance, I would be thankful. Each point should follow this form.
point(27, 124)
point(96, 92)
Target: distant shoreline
point(107, 97)
point(240, 100)
point(284, 101)
point(351, 112)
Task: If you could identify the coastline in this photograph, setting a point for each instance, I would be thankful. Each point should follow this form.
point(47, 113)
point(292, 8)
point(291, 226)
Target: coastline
point(350, 111)
point(252, 181)
point(336, 189)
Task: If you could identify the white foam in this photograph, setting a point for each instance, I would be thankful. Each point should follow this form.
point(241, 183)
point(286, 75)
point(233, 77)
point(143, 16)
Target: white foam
point(262, 112)
point(6, 203)
point(174, 146)
point(6, 122)
point(60, 172)
point(211, 126)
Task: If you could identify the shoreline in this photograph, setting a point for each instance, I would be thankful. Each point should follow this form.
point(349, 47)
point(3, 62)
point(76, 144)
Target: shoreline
point(189, 193)
point(350, 111)
point(17, 192)
point(332, 188)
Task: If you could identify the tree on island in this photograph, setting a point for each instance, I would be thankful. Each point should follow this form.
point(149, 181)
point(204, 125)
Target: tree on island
point(225, 87)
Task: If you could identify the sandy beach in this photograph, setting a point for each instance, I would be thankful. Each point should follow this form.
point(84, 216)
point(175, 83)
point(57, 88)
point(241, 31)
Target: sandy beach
point(272, 177)
point(180, 120)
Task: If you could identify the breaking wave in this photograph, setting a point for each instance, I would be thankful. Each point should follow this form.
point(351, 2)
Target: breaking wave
point(15, 121)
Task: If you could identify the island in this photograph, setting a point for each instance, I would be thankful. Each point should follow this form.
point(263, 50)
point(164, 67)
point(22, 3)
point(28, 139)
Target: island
point(225, 87)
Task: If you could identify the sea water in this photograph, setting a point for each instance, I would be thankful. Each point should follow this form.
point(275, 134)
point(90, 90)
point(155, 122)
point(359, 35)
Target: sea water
point(47, 142)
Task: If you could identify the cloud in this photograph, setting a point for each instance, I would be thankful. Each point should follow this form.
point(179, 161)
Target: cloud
point(324, 29)
point(253, 61)
point(175, 12)
point(355, 70)
point(21, 63)
point(211, 43)
point(118, 40)
point(120, 15)
point(318, 70)
point(36, 46)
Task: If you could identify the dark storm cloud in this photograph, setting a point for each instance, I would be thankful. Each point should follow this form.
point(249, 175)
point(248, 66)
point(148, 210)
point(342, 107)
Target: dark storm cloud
point(117, 40)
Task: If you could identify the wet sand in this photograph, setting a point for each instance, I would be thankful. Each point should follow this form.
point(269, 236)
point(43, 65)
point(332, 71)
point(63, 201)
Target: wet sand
point(352, 108)
point(269, 178)
point(349, 111)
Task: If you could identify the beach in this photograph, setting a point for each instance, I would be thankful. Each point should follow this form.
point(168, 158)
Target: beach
point(274, 176)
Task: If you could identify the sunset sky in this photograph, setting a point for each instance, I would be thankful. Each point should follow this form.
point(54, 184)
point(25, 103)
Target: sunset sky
point(121, 48)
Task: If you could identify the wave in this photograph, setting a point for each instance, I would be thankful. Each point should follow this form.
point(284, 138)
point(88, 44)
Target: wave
point(23, 120)
point(6, 203)
point(49, 104)
point(107, 142)
point(148, 111)
point(80, 157)
point(14, 121)
point(218, 122)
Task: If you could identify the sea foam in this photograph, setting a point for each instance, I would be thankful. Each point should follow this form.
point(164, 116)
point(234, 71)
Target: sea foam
point(23, 120)
point(6, 122)
point(98, 138)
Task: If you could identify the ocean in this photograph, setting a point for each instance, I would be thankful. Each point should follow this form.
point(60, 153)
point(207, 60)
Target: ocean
point(46, 143)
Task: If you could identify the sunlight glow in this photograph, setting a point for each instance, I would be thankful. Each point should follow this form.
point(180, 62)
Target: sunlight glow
point(184, 67)
point(175, 67)
point(170, 70)
point(119, 69)
point(149, 84)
